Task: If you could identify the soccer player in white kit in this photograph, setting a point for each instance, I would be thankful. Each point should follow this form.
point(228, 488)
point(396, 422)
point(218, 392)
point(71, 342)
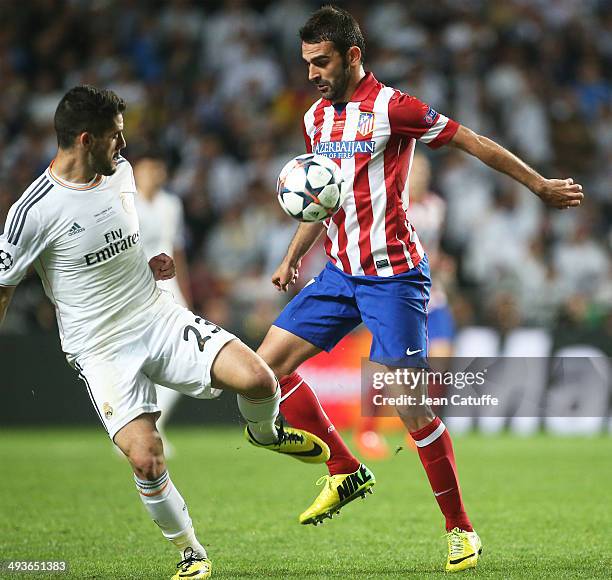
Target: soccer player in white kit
point(160, 215)
point(78, 226)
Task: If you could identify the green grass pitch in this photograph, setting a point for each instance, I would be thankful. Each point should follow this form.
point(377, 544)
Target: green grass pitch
point(542, 506)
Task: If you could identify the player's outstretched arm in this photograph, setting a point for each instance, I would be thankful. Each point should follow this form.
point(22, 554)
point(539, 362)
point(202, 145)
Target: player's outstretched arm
point(6, 293)
point(288, 271)
point(559, 193)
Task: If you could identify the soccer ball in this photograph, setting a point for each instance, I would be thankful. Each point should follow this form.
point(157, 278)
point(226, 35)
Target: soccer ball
point(6, 261)
point(310, 188)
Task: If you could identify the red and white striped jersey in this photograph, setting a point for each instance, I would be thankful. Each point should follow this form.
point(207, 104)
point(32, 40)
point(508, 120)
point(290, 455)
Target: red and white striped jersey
point(372, 139)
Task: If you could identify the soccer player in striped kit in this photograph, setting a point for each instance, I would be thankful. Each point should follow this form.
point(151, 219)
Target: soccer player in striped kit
point(377, 271)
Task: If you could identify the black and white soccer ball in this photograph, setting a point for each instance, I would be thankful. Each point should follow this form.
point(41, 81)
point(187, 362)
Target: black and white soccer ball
point(310, 188)
point(6, 261)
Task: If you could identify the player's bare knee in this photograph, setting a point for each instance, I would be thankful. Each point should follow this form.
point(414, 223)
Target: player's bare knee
point(147, 466)
point(261, 382)
point(146, 456)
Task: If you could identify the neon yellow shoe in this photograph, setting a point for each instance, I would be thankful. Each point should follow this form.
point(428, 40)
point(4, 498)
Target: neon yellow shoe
point(338, 490)
point(464, 548)
point(193, 567)
point(302, 445)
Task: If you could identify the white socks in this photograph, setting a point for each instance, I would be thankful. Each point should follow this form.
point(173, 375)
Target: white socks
point(169, 511)
point(260, 415)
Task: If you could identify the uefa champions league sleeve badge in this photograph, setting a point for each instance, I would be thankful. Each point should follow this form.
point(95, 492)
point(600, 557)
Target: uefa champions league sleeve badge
point(6, 261)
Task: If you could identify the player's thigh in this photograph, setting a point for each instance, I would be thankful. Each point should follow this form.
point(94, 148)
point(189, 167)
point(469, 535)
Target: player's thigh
point(284, 351)
point(238, 368)
point(395, 312)
point(318, 318)
point(118, 389)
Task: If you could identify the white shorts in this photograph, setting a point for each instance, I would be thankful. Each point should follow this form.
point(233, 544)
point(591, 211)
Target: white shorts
point(176, 350)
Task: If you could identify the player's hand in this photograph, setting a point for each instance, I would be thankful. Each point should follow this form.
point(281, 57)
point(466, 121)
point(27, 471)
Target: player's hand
point(162, 267)
point(560, 193)
point(285, 274)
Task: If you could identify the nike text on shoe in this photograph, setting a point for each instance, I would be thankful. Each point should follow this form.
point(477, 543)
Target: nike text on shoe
point(338, 490)
point(302, 445)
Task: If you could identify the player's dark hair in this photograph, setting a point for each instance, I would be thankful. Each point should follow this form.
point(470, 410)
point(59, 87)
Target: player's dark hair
point(333, 24)
point(85, 108)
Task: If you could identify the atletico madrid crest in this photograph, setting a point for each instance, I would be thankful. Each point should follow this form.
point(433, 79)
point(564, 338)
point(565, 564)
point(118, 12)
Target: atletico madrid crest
point(366, 124)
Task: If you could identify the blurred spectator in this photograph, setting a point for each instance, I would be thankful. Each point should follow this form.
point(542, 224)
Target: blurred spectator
point(221, 88)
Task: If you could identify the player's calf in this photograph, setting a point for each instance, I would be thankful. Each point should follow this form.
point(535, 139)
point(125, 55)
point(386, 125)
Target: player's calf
point(140, 442)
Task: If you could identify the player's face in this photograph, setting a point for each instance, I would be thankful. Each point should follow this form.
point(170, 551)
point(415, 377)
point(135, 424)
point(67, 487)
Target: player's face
point(328, 70)
point(104, 151)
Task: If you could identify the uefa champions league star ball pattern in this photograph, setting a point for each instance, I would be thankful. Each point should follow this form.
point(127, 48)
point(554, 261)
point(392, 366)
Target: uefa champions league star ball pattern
point(6, 261)
point(310, 188)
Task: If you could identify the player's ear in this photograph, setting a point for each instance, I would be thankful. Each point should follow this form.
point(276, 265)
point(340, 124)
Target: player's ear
point(354, 56)
point(84, 139)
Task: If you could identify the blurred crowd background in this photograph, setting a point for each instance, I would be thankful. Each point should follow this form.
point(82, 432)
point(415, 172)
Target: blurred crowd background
point(220, 89)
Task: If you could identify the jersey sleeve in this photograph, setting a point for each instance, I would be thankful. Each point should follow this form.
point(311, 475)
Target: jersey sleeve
point(413, 118)
point(126, 174)
point(21, 242)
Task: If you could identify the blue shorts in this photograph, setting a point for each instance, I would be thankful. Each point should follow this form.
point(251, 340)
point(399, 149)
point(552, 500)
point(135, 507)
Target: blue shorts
point(394, 310)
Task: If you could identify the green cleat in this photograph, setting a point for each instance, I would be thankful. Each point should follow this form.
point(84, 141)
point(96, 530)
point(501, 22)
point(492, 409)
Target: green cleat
point(302, 445)
point(338, 490)
point(464, 548)
point(193, 567)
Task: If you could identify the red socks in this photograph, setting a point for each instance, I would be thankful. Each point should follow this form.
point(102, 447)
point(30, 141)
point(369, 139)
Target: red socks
point(435, 449)
point(300, 406)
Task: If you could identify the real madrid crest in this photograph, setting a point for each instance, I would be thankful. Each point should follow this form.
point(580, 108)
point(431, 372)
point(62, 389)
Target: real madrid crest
point(108, 411)
point(127, 201)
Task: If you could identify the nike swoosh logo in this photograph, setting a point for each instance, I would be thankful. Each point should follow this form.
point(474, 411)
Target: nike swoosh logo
point(461, 559)
point(438, 493)
point(316, 450)
point(409, 352)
